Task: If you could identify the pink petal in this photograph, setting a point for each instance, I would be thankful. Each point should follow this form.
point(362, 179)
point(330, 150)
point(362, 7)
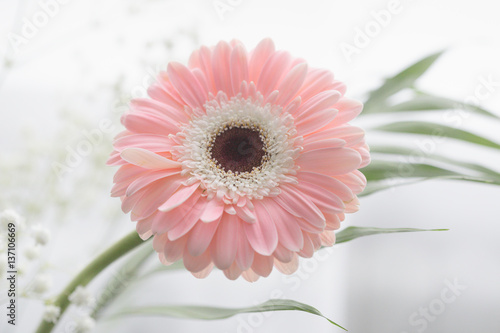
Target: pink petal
point(187, 85)
point(245, 253)
point(331, 184)
point(348, 110)
point(129, 202)
point(327, 238)
point(262, 265)
point(289, 232)
point(352, 206)
point(204, 272)
point(330, 161)
point(120, 188)
point(309, 227)
point(225, 244)
point(283, 254)
point(200, 237)
point(365, 156)
point(245, 213)
point(159, 242)
point(196, 264)
point(148, 178)
point(179, 197)
point(151, 142)
point(299, 205)
point(291, 84)
point(308, 249)
point(203, 61)
point(158, 93)
point(289, 267)
point(221, 62)
point(321, 144)
point(174, 250)
point(355, 180)
point(167, 86)
point(325, 200)
point(189, 221)
point(153, 106)
point(322, 101)
point(142, 122)
point(143, 227)
point(166, 221)
point(213, 211)
point(262, 234)
point(352, 135)
point(233, 272)
point(272, 72)
point(156, 193)
point(147, 159)
point(259, 57)
point(312, 122)
point(239, 67)
point(115, 159)
point(127, 172)
point(316, 241)
point(250, 275)
point(332, 221)
point(316, 81)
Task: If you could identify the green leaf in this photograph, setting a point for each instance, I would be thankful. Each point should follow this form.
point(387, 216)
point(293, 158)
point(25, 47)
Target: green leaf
point(379, 170)
point(162, 268)
point(406, 151)
point(427, 102)
point(351, 233)
point(213, 313)
point(405, 79)
point(122, 278)
point(377, 186)
point(437, 130)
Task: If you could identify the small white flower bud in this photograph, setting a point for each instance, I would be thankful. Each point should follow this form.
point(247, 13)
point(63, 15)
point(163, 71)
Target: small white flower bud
point(84, 324)
point(51, 313)
point(32, 252)
point(10, 216)
point(40, 234)
point(81, 297)
point(41, 284)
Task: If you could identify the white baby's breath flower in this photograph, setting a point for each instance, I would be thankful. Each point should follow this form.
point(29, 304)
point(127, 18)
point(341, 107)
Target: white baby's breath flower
point(32, 252)
point(40, 234)
point(81, 297)
point(41, 284)
point(51, 313)
point(10, 216)
point(84, 324)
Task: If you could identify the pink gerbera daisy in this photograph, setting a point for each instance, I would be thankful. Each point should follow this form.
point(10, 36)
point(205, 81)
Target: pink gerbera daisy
point(242, 160)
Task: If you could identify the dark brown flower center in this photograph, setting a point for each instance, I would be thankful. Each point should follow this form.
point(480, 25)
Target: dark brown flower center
point(238, 149)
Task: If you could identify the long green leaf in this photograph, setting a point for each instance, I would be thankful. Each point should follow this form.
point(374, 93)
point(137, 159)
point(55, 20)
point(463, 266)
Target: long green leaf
point(379, 170)
point(407, 151)
point(213, 313)
point(405, 79)
point(437, 130)
point(427, 102)
point(351, 233)
point(377, 186)
point(178, 265)
point(122, 278)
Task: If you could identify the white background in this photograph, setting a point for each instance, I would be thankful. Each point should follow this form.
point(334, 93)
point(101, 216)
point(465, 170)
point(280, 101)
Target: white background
point(370, 285)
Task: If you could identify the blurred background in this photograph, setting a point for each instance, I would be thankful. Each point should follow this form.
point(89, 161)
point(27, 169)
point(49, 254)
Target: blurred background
point(67, 67)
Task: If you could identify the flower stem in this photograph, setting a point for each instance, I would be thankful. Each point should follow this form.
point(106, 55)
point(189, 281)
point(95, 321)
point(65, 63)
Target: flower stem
point(106, 258)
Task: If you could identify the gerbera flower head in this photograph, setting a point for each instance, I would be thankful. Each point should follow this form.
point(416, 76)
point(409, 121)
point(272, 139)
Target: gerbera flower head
point(240, 160)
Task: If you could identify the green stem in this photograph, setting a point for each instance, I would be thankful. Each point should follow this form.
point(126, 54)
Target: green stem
point(106, 258)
